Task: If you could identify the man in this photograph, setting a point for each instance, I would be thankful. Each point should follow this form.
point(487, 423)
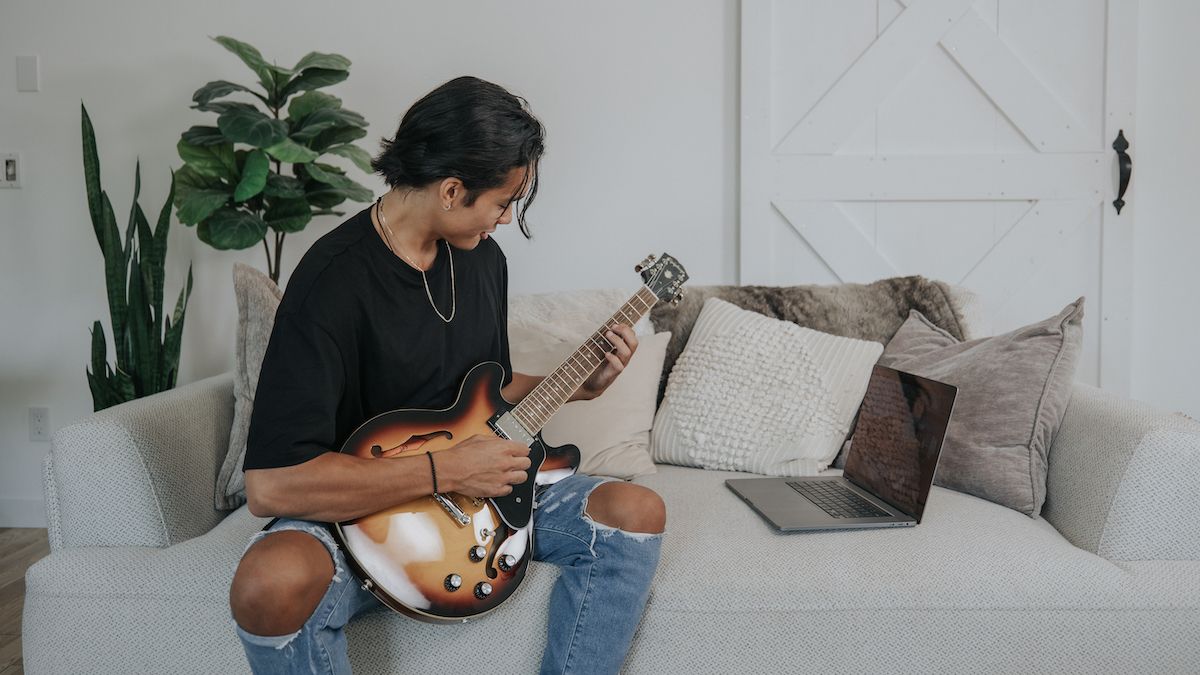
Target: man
point(390, 310)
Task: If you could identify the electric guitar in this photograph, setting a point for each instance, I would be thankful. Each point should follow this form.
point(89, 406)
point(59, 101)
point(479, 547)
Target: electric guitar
point(449, 557)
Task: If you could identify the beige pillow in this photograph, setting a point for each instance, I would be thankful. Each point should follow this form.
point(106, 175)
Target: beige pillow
point(613, 430)
point(1013, 390)
point(757, 394)
point(257, 299)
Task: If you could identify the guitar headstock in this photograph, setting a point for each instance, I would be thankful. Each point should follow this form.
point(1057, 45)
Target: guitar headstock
point(664, 277)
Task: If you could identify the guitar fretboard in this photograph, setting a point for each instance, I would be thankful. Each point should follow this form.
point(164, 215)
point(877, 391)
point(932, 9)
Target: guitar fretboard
point(540, 405)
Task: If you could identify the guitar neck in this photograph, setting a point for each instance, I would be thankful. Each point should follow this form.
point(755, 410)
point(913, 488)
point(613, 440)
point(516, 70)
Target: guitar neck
point(556, 389)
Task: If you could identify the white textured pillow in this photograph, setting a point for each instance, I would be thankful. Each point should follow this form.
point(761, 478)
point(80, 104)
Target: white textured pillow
point(612, 431)
point(752, 393)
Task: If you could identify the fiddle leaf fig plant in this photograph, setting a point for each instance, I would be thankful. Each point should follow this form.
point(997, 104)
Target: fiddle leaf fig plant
point(258, 173)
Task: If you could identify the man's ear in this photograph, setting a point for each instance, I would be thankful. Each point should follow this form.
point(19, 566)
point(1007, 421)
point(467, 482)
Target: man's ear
point(452, 189)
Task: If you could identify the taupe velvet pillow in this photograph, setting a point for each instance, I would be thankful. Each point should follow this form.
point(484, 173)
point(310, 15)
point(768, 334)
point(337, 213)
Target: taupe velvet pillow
point(1013, 390)
point(871, 311)
point(257, 299)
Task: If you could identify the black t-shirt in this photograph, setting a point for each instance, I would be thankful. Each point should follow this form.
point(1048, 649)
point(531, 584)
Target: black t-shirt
point(355, 336)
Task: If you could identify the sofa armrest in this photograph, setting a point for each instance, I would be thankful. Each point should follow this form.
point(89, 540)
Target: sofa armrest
point(141, 473)
point(1124, 479)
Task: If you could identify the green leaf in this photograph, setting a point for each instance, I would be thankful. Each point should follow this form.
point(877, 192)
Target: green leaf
point(197, 196)
point(221, 107)
point(216, 161)
point(251, 57)
point(326, 118)
point(355, 154)
point(251, 126)
point(313, 78)
point(198, 205)
point(187, 178)
point(304, 104)
point(91, 175)
point(285, 187)
point(288, 215)
point(319, 60)
point(336, 136)
point(291, 152)
point(141, 352)
point(169, 356)
point(232, 229)
point(218, 88)
point(202, 135)
point(254, 176)
point(322, 197)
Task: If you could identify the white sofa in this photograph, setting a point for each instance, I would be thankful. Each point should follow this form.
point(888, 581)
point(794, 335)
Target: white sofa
point(1108, 581)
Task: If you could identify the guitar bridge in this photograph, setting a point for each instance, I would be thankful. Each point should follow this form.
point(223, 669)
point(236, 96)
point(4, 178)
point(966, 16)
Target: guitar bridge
point(451, 508)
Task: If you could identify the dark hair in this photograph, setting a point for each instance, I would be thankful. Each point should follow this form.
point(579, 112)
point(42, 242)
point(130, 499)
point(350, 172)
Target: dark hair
point(468, 129)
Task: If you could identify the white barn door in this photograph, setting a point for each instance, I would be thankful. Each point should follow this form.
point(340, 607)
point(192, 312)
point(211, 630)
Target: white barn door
point(964, 140)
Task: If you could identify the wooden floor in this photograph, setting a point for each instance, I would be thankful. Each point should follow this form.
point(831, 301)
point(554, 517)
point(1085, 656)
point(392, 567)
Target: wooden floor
point(19, 548)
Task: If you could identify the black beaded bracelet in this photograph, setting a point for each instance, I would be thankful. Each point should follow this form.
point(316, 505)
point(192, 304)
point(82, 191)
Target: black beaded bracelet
point(432, 471)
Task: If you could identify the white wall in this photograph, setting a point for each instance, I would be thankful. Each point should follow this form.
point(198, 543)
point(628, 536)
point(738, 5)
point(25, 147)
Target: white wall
point(640, 102)
point(1166, 173)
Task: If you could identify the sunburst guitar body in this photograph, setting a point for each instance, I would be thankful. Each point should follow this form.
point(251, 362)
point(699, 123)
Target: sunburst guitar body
point(449, 557)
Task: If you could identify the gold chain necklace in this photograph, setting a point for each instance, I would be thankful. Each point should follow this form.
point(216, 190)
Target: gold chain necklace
point(453, 295)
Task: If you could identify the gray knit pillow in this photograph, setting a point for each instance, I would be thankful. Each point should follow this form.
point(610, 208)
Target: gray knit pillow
point(257, 299)
point(1013, 390)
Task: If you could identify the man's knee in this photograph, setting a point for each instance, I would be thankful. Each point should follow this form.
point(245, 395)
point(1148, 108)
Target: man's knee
point(627, 507)
point(279, 583)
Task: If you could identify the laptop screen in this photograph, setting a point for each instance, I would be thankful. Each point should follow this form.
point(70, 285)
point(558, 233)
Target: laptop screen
point(896, 444)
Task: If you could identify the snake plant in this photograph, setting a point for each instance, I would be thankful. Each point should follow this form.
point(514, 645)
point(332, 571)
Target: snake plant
point(147, 352)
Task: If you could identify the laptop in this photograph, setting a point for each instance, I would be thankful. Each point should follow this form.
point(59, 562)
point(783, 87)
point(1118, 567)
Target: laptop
point(889, 468)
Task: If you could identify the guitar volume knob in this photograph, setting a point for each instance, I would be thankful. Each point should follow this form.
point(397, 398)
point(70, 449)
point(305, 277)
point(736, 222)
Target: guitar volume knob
point(453, 582)
point(483, 589)
point(477, 553)
point(506, 563)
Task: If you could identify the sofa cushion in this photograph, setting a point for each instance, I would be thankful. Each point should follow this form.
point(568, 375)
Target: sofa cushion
point(864, 311)
point(257, 299)
point(975, 586)
point(752, 393)
point(611, 431)
point(1013, 391)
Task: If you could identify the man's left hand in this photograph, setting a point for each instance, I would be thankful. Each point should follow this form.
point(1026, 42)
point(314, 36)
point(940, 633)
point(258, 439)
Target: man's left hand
point(624, 343)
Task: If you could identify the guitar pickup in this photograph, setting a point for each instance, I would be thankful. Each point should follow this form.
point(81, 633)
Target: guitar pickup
point(507, 426)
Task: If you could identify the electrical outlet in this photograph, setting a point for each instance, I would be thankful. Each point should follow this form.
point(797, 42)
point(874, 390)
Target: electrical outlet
point(10, 170)
point(39, 424)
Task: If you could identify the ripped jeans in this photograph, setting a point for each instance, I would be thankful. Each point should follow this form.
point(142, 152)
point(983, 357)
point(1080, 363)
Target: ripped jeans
point(595, 604)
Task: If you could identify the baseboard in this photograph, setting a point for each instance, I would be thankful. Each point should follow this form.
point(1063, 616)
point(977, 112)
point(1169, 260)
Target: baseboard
point(22, 513)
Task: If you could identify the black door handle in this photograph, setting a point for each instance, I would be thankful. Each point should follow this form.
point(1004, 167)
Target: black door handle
point(1126, 166)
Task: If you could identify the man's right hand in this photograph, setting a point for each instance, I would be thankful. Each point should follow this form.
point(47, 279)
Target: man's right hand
point(482, 466)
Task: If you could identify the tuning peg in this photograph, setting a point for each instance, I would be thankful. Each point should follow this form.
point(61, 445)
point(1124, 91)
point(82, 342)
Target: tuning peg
point(677, 299)
point(644, 264)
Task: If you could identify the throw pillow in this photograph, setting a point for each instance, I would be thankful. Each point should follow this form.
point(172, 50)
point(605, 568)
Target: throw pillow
point(257, 299)
point(612, 431)
point(752, 393)
point(871, 311)
point(1013, 390)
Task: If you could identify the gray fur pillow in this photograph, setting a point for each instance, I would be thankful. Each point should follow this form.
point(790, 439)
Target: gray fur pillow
point(257, 299)
point(872, 311)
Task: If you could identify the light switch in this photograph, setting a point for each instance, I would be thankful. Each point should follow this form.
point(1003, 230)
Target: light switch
point(27, 73)
point(10, 170)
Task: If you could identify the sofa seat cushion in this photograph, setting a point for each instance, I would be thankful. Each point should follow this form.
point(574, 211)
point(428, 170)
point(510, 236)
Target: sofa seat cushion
point(966, 553)
point(730, 595)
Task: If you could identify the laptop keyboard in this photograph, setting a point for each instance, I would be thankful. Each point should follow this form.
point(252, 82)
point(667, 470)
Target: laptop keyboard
point(837, 500)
